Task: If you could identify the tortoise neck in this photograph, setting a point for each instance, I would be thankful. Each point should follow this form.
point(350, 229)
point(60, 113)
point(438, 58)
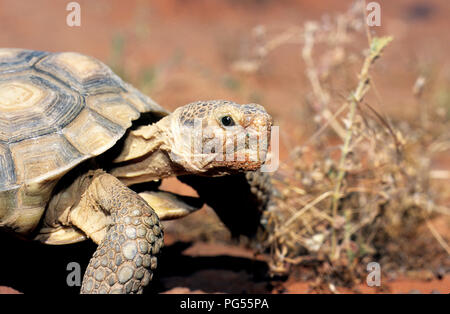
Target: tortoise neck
point(145, 140)
point(145, 154)
point(153, 166)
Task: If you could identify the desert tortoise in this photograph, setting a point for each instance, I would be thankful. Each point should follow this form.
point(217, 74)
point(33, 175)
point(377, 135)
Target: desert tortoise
point(74, 141)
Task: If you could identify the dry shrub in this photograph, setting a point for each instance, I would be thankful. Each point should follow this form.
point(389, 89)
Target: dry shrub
point(367, 198)
point(384, 199)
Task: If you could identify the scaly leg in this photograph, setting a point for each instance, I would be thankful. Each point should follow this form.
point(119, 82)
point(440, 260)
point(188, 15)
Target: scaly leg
point(126, 257)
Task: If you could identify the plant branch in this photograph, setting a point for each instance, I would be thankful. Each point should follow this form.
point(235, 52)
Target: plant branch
point(377, 46)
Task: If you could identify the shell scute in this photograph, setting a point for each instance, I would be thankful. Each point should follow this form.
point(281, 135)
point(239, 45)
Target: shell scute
point(91, 133)
point(38, 158)
point(83, 73)
point(13, 60)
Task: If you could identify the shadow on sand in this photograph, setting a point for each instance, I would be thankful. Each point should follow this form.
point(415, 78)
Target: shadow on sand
point(31, 267)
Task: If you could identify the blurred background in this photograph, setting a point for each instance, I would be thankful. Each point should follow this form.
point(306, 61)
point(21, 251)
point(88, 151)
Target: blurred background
point(179, 51)
point(301, 60)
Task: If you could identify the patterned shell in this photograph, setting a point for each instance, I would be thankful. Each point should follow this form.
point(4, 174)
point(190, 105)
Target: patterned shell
point(58, 109)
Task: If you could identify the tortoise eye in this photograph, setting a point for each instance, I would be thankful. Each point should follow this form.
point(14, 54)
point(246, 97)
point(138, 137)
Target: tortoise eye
point(227, 121)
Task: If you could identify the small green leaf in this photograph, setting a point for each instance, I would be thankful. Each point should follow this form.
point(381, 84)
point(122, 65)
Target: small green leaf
point(379, 43)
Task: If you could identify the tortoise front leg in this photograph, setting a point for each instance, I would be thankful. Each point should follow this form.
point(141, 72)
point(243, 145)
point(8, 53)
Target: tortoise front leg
point(126, 257)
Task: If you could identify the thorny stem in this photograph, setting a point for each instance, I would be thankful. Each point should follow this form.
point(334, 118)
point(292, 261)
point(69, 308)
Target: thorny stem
point(377, 45)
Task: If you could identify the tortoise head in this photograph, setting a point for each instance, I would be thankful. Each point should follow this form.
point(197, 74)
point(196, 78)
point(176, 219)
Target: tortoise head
point(217, 137)
point(206, 138)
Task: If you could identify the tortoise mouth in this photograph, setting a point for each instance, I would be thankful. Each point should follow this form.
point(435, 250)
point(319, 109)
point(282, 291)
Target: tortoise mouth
point(240, 161)
point(234, 167)
point(221, 171)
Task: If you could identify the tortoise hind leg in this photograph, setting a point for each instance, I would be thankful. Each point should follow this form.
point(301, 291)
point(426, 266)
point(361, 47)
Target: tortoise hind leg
point(171, 206)
point(125, 258)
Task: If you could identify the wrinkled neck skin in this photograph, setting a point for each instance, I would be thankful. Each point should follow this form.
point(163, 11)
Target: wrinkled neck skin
point(156, 151)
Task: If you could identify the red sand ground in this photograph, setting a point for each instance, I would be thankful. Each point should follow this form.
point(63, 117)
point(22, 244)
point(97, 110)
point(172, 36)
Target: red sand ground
point(190, 45)
point(236, 282)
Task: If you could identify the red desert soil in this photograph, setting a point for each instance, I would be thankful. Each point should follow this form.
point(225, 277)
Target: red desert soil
point(190, 45)
point(217, 280)
point(400, 285)
point(8, 290)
